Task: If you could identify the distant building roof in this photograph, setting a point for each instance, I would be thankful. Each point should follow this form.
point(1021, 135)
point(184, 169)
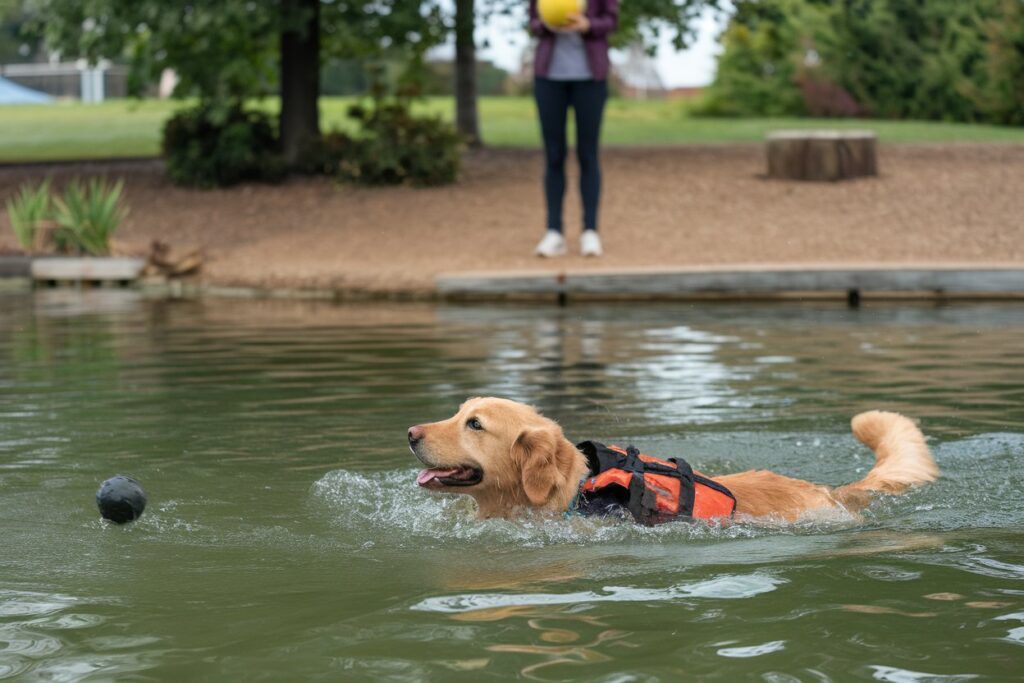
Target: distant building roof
point(12, 93)
point(639, 71)
point(686, 92)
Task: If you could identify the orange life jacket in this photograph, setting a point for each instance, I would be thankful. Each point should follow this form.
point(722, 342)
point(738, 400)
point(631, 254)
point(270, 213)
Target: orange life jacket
point(654, 491)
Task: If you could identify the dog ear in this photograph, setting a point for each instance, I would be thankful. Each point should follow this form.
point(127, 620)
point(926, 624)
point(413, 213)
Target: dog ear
point(543, 461)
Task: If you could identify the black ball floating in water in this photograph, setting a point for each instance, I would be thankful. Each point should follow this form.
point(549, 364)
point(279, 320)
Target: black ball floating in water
point(121, 499)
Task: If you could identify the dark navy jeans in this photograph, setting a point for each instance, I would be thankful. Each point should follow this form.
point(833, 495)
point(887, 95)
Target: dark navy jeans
point(587, 99)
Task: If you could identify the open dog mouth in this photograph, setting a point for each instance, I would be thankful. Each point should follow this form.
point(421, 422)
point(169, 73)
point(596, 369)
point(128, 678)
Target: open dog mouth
point(466, 475)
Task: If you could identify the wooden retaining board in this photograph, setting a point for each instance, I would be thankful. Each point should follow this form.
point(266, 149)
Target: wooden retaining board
point(744, 282)
point(100, 269)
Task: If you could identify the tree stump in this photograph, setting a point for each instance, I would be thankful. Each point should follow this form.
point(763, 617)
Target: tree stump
point(830, 155)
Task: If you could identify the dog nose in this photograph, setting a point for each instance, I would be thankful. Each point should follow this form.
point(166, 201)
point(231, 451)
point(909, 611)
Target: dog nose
point(415, 434)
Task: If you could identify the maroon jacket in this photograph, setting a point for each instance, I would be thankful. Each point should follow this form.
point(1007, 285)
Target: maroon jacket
point(604, 19)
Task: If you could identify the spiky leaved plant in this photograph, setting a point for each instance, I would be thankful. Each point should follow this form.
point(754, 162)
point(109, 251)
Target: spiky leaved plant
point(88, 215)
point(28, 211)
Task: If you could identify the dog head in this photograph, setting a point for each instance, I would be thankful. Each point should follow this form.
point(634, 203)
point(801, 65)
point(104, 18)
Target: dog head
point(503, 453)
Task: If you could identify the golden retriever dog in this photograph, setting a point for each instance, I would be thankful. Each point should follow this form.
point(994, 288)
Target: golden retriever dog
point(509, 458)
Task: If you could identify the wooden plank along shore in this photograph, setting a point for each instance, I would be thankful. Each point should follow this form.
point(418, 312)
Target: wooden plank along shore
point(745, 282)
point(116, 269)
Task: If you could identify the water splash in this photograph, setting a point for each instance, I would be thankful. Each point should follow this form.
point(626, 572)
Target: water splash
point(390, 500)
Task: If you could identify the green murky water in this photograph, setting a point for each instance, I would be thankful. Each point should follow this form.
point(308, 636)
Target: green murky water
point(286, 540)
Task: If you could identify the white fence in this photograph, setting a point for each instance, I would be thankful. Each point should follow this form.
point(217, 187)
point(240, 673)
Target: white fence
point(71, 80)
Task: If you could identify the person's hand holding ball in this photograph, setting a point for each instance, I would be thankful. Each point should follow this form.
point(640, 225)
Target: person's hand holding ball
point(577, 23)
point(564, 16)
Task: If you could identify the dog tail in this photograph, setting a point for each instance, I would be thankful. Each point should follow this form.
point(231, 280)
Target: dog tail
point(902, 459)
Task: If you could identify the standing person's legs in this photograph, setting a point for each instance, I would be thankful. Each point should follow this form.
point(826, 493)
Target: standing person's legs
point(552, 108)
point(588, 100)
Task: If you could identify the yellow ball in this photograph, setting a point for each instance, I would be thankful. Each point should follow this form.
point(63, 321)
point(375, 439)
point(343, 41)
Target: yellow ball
point(556, 13)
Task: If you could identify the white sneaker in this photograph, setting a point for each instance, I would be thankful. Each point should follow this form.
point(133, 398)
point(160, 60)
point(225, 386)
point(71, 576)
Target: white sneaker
point(590, 243)
point(552, 244)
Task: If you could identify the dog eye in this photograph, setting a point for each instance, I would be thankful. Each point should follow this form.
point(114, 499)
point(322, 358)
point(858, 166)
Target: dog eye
point(474, 424)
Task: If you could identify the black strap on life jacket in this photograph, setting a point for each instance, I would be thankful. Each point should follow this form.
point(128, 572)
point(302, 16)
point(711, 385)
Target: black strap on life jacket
point(652, 490)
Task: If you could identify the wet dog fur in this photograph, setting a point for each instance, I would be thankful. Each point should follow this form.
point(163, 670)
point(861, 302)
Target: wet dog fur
point(509, 457)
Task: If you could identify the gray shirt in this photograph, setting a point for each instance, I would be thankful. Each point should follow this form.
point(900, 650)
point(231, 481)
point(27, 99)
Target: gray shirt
point(569, 60)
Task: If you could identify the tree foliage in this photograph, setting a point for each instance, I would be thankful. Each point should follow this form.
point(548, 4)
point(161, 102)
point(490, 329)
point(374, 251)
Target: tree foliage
point(225, 51)
point(941, 59)
point(648, 20)
point(228, 52)
point(15, 44)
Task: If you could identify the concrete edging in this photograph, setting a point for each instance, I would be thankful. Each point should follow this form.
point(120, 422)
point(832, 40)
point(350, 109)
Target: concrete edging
point(735, 283)
point(15, 266)
point(747, 282)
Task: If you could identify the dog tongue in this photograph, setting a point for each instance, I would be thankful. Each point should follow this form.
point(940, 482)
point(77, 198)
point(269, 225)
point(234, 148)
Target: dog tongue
point(426, 475)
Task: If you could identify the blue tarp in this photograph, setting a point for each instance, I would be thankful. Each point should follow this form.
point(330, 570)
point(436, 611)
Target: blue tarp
point(12, 93)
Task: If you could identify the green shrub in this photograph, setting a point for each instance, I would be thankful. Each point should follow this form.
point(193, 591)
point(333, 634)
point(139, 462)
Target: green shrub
point(213, 147)
point(942, 60)
point(394, 147)
point(998, 92)
point(28, 211)
point(758, 67)
point(333, 148)
point(87, 216)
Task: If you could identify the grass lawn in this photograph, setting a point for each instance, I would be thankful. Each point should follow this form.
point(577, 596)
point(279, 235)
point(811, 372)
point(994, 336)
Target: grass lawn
point(130, 128)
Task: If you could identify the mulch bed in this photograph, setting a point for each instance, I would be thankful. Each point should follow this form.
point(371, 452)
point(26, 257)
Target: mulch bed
point(699, 205)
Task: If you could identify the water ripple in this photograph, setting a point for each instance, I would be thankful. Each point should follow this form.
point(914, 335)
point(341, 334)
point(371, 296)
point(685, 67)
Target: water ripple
point(729, 587)
point(893, 674)
point(752, 650)
point(285, 525)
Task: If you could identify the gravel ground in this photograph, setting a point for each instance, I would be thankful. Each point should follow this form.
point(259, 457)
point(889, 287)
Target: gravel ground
point(676, 206)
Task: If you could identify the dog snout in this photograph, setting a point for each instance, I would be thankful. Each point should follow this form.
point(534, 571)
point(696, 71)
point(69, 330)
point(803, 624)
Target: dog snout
point(415, 435)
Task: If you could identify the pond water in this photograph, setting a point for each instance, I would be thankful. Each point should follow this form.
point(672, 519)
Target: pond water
point(285, 538)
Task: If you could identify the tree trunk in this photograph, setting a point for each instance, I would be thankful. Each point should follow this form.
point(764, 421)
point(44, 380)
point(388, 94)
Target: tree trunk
point(821, 155)
point(466, 118)
point(300, 79)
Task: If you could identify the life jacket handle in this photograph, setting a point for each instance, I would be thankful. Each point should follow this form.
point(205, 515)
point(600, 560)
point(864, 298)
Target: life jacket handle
point(652, 489)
